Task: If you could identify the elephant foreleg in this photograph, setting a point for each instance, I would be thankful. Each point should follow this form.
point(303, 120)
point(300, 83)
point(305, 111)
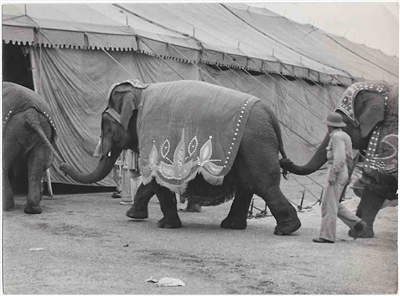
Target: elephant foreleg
point(370, 204)
point(139, 209)
point(237, 217)
point(169, 208)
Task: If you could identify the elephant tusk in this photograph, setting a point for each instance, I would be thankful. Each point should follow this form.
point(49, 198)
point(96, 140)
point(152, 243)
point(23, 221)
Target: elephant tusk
point(109, 154)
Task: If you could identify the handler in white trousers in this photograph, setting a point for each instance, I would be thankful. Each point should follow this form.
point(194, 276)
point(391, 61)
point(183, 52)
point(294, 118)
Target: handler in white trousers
point(339, 154)
point(131, 178)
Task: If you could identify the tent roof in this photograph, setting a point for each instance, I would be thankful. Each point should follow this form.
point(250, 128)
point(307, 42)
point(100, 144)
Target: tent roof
point(217, 33)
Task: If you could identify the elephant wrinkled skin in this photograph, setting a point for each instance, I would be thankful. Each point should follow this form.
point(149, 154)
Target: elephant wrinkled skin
point(255, 169)
point(28, 133)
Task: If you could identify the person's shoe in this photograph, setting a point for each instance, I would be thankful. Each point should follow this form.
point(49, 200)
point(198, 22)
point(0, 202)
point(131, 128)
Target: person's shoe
point(116, 195)
point(359, 229)
point(322, 241)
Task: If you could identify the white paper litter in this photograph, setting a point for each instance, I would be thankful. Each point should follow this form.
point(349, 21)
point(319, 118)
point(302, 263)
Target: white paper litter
point(166, 282)
point(170, 282)
point(36, 249)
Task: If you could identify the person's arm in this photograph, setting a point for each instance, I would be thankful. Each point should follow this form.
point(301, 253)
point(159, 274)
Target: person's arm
point(339, 157)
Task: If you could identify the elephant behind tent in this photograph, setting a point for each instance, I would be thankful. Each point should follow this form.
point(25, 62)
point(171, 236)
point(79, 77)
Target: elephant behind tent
point(370, 111)
point(28, 135)
point(197, 139)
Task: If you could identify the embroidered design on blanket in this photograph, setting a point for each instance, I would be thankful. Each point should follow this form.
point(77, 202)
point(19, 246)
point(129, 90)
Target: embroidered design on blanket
point(180, 167)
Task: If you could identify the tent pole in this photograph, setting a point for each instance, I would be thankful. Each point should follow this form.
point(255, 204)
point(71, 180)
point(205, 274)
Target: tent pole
point(49, 188)
point(34, 70)
point(37, 86)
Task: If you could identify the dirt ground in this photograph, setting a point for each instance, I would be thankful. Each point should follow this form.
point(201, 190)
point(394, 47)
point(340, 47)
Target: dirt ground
point(84, 244)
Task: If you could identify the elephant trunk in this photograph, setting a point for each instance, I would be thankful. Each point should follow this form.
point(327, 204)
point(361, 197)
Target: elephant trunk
point(103, 168)
point(315, 163)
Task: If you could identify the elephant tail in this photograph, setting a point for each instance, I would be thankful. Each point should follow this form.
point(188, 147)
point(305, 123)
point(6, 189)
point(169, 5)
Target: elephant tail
point(278, 132)
point(32, 119)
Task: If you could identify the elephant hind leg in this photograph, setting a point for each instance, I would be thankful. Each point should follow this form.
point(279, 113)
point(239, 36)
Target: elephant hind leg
point(12, 151)
point(8, 196)
point(263, 177)
point(39, 160)
point(258, 167)
point(284, 213)
point(237, 217)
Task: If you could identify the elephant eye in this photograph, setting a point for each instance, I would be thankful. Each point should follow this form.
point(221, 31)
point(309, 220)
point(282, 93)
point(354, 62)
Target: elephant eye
point(107, 125)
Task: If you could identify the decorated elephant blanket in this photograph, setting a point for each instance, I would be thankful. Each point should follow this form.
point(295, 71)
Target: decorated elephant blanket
point(187, 128)
point(17, 98)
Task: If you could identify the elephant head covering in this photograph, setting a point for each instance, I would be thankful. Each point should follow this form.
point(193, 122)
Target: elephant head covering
point(119, 117)
point(134, 82)
point(346, 105)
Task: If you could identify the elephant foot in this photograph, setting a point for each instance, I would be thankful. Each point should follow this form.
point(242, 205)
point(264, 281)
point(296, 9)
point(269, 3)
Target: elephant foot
point(8, 204)
point(286, 228)
point(367, 233)
point(30, 209)
point(140, 214)
point(229, 223)
point(169, 223)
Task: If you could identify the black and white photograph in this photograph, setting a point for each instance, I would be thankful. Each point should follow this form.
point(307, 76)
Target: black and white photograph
point(200, 148)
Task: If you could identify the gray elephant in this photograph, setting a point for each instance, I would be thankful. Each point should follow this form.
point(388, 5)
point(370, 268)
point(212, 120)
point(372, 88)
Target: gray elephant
point(28, 134)
point(197, 139)
point(370, 111)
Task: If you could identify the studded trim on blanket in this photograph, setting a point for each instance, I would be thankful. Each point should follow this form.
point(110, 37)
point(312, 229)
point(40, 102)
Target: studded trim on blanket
point(10, 113)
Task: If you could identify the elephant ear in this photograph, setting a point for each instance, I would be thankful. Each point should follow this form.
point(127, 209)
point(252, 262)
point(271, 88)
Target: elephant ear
point(128, 106)
point(369, 110)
